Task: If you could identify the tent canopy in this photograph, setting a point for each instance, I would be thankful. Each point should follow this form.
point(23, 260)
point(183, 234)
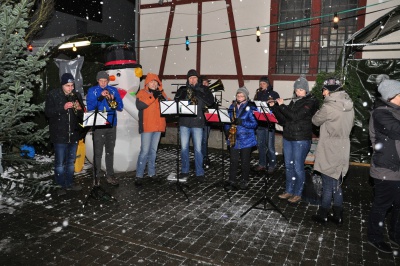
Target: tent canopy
point(383, 26)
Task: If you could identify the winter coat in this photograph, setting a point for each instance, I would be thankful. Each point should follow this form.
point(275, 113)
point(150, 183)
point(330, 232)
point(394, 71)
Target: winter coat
point(93, 102)
point(384, 130)
point(295, 118)
point(150, 119)
point(245, 132)
point(63, 124)
point(336, 119)
point(204, 98)
point(265, 95)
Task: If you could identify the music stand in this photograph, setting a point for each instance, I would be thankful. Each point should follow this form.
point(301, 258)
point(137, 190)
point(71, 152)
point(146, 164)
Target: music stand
point(219, 117)
point(264, 114)
point(178, 108)
point(96, 119)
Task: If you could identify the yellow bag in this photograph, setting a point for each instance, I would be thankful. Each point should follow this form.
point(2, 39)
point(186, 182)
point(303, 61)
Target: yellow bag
point(80, 156)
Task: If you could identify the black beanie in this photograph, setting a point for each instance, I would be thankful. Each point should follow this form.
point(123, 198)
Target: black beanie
point(66, 78)
point(192, 73)
point(264, 79)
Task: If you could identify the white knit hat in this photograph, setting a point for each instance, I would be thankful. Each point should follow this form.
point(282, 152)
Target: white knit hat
point(388, 88)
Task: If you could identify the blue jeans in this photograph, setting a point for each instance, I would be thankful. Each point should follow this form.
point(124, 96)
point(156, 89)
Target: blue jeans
point(331, 188)
point(197, 134)
point(204, 141)
point(295, 153)
point(148, 152)
point(266, 147)
point(64, 160)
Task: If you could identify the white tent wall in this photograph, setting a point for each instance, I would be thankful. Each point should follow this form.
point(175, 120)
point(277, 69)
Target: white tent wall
point(381, 51)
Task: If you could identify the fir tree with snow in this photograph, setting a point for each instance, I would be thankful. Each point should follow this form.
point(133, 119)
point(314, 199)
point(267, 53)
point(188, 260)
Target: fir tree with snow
point(19, 74)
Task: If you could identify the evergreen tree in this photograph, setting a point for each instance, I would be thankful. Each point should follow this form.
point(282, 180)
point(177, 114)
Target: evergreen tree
point(19, 74)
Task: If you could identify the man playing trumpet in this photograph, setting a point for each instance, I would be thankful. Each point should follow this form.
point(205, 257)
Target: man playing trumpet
point(64, 108)
point(105, 98)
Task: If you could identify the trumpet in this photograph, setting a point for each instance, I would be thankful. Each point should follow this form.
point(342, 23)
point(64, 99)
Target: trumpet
point(111, 102)
point(71, 97)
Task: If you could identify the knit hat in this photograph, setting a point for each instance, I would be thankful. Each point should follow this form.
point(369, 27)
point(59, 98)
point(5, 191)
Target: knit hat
point(264, 79)
point(244, 91)
point(102, 75)
point(192, 73)
point(301, 83)
point(66, 78)
point(388, 88)
point(332, 84)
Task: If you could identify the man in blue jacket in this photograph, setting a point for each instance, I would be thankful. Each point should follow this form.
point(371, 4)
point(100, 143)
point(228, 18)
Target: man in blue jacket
point(105, 98)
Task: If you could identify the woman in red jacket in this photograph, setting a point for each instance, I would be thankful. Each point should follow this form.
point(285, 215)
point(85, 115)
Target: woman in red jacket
point(151, 124)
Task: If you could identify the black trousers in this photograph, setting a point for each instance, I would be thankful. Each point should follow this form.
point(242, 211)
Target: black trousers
point(245, 156)
point(387, 195)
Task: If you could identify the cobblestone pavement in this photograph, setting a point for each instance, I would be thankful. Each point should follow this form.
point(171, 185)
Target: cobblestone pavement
point(157, 225)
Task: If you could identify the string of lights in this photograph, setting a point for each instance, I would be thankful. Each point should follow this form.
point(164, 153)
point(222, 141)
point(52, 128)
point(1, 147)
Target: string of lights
point(279, 25)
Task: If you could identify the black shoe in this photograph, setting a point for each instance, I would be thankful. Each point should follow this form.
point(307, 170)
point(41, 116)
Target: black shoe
point(138, 182)
point(229, 185)
point(244, 186)
point(112, 181)
point(394, 242)
point(200, 178)
point(206, 163)
point(61, 192)
point(381, 246)
point(319, 219)
point(75, 188)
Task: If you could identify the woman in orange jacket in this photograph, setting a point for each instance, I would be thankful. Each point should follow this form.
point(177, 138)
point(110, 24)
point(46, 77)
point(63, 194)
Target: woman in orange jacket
point(151, 124)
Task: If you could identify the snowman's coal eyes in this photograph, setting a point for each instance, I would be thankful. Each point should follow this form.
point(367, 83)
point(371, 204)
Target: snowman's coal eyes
point(118, 74)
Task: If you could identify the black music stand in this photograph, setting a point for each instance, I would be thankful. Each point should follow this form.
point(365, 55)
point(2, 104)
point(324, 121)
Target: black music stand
point(219, 118)
point(97, 192)
point(178, 108)
point(265, 115)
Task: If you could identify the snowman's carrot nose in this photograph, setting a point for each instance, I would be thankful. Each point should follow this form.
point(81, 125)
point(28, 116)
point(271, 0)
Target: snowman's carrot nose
point(112, 78)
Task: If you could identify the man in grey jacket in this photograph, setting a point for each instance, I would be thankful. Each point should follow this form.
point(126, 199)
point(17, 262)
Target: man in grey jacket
point(336, 119)
point(384, 129)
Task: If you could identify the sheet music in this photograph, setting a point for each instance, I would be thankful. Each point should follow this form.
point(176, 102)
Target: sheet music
point(223, 114)
point(168, 107)
point(262, 106)
point(88, 118)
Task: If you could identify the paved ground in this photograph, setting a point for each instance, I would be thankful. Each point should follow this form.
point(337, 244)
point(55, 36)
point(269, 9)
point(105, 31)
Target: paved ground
point(157, 225)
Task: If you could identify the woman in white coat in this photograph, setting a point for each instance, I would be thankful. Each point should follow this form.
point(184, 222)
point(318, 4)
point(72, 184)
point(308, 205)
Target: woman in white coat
point(336, 119)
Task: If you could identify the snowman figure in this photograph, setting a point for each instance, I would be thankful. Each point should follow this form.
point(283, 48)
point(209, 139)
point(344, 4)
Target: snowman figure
point(124, 73)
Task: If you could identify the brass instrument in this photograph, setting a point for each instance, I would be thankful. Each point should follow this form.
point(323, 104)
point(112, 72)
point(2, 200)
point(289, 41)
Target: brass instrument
point(190, 95)
point(111, 102)
point(71, 97)
point(255, 96)
point(216, 86)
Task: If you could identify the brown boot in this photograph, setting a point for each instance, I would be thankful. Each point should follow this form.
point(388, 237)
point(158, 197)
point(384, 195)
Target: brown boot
point(294, 199)
point(285, 196)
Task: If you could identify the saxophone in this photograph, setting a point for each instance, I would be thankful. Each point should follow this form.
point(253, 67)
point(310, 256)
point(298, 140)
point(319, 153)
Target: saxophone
point(257, 91)
point(190, 95)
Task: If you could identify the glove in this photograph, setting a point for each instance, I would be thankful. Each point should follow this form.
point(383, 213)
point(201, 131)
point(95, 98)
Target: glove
point(156, 93)
point(100, 98)
point(238, 121)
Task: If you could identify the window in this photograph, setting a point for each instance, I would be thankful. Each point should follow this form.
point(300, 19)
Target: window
point(293, 37)
point(331, 42)
point(295, 32)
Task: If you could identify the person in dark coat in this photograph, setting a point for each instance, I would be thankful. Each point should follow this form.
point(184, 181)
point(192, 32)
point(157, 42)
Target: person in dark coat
point(297, 135)
point(64, 109)
point(192, 125)
point(384, 130)
point(242, 138)
point(266, 131)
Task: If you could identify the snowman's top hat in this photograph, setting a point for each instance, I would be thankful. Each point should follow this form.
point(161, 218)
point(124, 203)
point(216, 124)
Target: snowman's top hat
point(120, 56)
